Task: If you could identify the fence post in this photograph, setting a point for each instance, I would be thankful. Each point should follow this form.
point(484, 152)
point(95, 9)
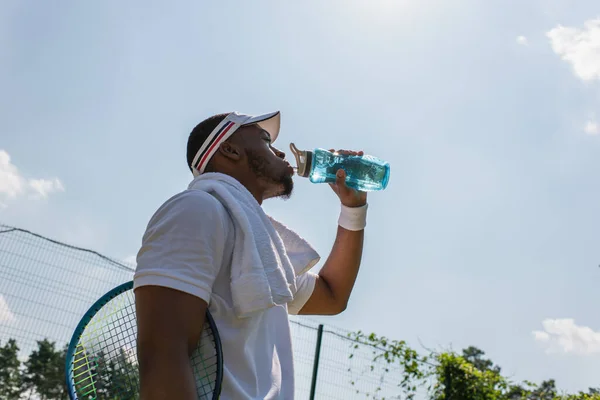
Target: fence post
point(313, 385)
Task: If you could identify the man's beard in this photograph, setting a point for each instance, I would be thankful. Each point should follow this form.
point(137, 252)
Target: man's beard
point(279, 186)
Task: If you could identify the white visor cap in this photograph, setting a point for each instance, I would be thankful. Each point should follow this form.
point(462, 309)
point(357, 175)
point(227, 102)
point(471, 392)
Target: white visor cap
point(270, 122)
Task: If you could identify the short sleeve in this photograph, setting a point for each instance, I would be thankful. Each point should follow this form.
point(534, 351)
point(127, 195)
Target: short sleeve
point(305, 284)
point(183, 245)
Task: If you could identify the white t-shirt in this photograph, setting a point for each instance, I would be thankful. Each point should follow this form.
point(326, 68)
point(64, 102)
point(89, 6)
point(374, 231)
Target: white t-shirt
point(188, 246)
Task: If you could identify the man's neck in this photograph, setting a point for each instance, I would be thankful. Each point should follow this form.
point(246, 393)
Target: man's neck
point(251, 185)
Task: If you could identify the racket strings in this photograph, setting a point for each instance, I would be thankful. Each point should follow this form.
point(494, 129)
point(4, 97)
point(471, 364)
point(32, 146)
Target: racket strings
point(204, 364)
point(105, 365)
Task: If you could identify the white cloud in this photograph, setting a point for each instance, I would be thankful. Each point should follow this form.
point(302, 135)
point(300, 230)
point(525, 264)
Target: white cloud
point(6, 315)
point(563, 335)
point(13, 184)
point(592, 128)
point(540, 336)
point(579, 47)
point(43, 187)
point(522, 40)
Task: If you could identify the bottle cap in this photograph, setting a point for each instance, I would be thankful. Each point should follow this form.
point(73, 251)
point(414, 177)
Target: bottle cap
point(303, 160)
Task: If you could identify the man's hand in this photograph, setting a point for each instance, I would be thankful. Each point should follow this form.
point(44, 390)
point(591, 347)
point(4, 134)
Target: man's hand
point(348, 196)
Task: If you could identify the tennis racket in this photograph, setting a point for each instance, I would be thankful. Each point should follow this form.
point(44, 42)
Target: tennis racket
point(101, 360)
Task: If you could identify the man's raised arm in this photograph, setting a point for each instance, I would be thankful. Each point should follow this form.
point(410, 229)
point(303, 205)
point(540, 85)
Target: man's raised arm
point(336, 279)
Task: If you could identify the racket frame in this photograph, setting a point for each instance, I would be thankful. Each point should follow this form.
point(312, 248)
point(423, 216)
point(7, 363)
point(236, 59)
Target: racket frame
point(93, 310)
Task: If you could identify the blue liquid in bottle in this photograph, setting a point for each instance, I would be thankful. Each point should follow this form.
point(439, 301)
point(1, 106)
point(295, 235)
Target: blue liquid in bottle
point(365, 173)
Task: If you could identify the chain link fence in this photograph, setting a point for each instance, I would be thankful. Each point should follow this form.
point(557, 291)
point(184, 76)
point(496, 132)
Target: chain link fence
point(46, 286)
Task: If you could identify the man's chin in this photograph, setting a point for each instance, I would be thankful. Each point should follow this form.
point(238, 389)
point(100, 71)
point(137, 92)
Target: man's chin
point(288, 187)
point(283, 189)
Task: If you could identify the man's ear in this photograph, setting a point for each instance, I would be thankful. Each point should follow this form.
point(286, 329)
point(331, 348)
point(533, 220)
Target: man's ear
point(230, 150)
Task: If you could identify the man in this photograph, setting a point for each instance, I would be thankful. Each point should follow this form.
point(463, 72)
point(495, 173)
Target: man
point(185, 265)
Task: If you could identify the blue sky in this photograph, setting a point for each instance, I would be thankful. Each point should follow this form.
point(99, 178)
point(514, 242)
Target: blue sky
point(488, 113)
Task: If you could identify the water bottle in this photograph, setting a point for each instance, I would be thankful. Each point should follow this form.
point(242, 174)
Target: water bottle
point(365, 173)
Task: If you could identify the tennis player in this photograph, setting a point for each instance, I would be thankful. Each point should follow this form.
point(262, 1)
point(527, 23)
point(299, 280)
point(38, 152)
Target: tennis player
point(185, 265)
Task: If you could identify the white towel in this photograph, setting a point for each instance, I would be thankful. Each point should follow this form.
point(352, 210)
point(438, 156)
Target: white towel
point(267, 256)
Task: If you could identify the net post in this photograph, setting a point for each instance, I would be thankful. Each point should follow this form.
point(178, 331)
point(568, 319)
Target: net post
point(313, 385)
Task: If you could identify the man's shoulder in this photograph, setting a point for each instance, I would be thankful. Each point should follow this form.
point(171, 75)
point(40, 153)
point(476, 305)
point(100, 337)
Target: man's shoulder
point(190, 205)
point(194, 199)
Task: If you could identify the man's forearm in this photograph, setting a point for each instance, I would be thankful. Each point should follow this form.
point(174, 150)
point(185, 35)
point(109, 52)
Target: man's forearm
point(341, 268)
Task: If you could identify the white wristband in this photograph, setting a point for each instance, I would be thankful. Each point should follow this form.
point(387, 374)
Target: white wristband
point(353, 218)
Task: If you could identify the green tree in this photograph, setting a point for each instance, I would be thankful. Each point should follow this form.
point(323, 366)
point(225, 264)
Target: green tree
point(11, 380)
point(123, 377)
point(516, 392)
point(474, 356)
point(458, 379)
point(106, 377)
point(452, 376)
point(545, 391)
point(44, 371)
